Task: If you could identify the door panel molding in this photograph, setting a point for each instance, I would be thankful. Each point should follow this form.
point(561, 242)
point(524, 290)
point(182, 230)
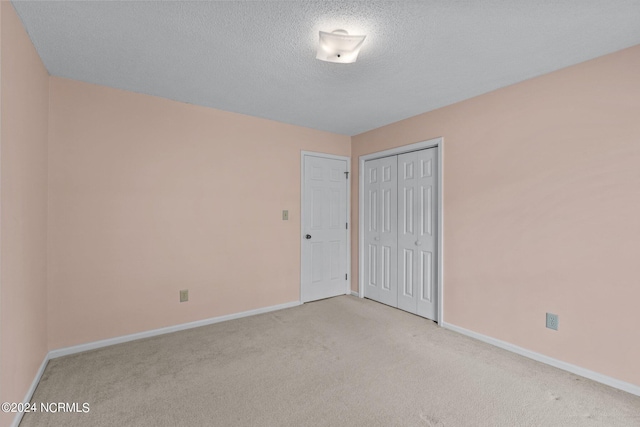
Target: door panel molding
point(303, 232)
point(439, 168)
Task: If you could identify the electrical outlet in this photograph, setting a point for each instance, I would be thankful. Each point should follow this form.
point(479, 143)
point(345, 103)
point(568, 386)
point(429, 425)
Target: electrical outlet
point(184, 295)
point(285, 215)
point(552, 321)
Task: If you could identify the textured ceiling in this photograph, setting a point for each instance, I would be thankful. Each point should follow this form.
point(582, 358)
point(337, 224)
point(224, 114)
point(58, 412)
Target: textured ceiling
point(258, 58)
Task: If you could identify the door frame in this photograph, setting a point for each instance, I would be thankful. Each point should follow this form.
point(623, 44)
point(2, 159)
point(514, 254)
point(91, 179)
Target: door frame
point(431, 143)
point(347, 204)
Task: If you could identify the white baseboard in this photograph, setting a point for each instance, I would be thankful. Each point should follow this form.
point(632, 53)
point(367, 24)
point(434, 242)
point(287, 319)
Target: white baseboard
point(132, 337)
point(18, 418)
point(355, 294)
point(595, 376)
point(175, 328)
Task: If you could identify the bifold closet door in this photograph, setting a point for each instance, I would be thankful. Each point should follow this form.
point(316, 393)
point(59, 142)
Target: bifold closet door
point(417, 198)
point(381, 230)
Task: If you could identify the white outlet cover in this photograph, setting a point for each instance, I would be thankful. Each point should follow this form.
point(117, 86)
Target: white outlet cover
point(552, 321)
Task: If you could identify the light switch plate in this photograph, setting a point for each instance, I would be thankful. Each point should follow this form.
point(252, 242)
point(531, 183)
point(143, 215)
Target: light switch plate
point(184, 295)
point(285, 215)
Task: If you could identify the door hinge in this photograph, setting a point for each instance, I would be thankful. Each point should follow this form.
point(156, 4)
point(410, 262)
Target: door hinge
point(346, 174)
point(346, 226)
point(345, 277)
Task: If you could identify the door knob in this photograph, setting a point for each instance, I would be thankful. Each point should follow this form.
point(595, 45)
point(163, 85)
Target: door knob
point(418, 243)
point(376, 238)
point(308, 236)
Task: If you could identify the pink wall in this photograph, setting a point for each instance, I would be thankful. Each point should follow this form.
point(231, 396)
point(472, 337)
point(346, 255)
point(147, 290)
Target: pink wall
point(149, 196)
point(24, 98)
point(542, 211)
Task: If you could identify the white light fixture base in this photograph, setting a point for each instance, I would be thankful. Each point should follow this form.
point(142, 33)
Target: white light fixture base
point(339, 47)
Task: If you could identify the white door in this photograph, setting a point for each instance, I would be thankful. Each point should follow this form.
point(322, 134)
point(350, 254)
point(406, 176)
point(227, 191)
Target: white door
point(324, 228)
point(381, 230)
point(417, 243)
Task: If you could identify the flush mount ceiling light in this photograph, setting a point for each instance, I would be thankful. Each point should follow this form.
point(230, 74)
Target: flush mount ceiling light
point(338, 46)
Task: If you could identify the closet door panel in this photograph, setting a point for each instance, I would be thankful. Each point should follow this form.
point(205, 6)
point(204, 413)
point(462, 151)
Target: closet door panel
point(407, 226)
point(388, 243)
point(427, 188)
point(372, 230)
point(381, 230)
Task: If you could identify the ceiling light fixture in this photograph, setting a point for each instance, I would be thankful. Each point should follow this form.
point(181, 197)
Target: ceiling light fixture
point(338, 46)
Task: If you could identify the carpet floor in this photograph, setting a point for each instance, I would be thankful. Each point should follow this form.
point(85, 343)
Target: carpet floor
point(343, 361)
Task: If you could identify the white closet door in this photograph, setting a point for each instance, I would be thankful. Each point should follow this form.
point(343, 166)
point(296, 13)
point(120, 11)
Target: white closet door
point(417, 244)
point(381, 230)
point(427, 223)
point(407, 232)
point(371, 230)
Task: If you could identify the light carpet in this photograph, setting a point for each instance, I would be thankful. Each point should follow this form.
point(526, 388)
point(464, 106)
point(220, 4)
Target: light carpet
point(343, 361)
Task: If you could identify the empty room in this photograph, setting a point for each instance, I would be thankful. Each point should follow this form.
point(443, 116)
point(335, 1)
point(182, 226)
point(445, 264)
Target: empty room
point(317, 213)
